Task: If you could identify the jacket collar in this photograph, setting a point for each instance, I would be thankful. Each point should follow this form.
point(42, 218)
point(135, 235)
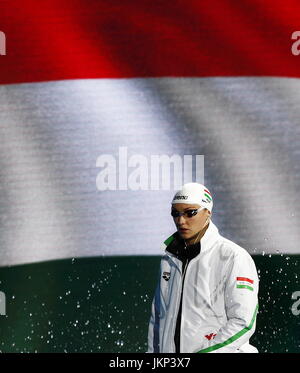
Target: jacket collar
point(207, 241)
point(210, 237)
point(178, 248)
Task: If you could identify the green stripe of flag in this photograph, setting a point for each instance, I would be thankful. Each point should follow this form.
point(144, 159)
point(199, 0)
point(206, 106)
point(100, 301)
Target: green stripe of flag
point(209, 197)
point(244, 286)
point(234, 337)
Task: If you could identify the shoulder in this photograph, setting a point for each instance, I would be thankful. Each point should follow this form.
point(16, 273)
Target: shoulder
point(233, 250)
point(240, 262)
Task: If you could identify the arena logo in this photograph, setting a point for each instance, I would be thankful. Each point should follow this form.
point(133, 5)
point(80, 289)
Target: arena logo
point(296, 306)
point(2, 304)
point(2, 44)
point(159, 172)
point(296, 44)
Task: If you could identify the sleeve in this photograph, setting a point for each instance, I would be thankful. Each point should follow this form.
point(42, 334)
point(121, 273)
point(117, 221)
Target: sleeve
point(241, 306)
point(153, 329)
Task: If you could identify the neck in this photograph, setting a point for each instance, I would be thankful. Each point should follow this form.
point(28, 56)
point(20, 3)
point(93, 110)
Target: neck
point(197, 237)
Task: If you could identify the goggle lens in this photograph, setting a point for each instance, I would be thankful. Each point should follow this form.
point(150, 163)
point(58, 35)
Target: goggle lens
point(188, 213)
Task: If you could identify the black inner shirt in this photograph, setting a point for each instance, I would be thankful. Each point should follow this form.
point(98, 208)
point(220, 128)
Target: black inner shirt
point(185, 254)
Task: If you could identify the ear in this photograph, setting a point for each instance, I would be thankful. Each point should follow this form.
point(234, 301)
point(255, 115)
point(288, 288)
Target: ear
point(208, 216)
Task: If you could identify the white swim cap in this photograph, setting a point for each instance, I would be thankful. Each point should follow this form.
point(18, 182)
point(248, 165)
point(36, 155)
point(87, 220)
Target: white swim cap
point(194, 193)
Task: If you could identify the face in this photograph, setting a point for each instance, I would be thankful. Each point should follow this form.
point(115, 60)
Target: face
point(190, 227)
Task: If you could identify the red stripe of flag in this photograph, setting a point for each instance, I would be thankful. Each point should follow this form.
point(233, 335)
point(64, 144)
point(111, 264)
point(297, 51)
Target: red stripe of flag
point(244, 279)
point(66, 39)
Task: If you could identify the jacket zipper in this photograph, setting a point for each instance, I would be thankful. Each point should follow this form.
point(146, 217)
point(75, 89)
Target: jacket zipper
point(180, 303)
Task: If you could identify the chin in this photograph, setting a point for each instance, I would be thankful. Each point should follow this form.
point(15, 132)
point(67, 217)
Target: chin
point(186, 236)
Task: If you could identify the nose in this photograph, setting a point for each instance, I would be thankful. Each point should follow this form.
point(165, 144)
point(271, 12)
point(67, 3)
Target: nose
point(180, 220)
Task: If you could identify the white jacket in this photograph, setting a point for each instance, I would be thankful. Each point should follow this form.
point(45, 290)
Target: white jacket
point(219, 303)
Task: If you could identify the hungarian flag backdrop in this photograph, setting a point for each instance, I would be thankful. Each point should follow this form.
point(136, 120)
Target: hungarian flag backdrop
point(81, 80)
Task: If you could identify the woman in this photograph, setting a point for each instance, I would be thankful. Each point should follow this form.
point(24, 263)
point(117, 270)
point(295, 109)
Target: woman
point(206, 299)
